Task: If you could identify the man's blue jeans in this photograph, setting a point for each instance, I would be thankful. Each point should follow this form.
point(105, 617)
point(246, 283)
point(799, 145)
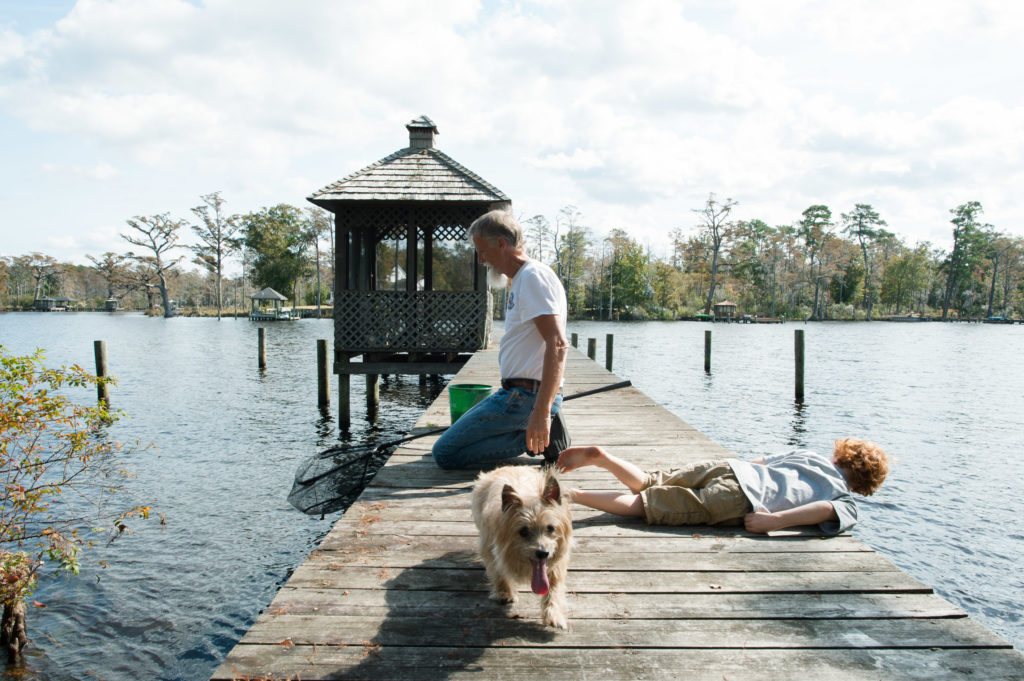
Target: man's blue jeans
point(492, 430)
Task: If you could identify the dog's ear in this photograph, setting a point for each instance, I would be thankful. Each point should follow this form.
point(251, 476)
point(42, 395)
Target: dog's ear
point(552, 490)
point(509, 498)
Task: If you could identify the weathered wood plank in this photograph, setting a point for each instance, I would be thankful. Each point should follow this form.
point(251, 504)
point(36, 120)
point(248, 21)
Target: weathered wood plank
point(470, 629)
point(397, 556)
point(353, 539)
point(434, 604)
point(369, 661)
point(597, 528)
point(427, 577)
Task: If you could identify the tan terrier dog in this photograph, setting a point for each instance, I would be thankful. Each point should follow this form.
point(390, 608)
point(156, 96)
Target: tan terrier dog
point(525, 536)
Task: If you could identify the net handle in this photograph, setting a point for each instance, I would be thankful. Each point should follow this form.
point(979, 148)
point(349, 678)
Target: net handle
point(435, 431)
point(391, 443)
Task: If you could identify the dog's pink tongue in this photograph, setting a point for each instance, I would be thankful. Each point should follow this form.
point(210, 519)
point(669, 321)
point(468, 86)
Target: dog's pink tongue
point(539, 583)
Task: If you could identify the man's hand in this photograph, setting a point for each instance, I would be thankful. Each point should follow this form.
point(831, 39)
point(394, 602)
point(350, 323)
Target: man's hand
point(538, 430)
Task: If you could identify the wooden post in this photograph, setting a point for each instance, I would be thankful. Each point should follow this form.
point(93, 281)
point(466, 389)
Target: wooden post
point(707, 351)
point(575, 340)
point(262, 345)
point(344, 385)
point(609, 344)
point(372, 395)
point(102, 388)
point(798, 351)
point(592, 348)
point(323, 379)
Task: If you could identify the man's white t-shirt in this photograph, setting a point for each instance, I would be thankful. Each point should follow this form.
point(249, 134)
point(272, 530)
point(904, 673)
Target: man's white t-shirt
point(534, 291)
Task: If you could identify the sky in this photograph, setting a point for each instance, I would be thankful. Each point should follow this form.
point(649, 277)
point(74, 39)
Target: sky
point(633, 112)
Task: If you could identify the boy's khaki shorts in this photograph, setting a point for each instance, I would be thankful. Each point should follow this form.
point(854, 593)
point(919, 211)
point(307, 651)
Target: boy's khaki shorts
point(701, 493)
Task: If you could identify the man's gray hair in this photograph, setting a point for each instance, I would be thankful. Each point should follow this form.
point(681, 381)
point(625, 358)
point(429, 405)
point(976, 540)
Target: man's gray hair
point(497, 224)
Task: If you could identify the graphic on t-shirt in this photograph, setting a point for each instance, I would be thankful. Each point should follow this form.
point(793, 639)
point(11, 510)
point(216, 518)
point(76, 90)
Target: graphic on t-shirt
point(511, 301)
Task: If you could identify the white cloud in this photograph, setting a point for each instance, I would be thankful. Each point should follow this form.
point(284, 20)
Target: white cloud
point(632, 111)
point(99, 172)
point(579, 159)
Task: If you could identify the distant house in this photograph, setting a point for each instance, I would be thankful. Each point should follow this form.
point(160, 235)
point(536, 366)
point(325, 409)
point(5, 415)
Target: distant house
point(725, 311)
point(54, 303)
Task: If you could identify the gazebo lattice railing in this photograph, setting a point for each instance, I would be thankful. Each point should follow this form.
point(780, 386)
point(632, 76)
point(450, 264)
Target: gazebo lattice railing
point(410, 321)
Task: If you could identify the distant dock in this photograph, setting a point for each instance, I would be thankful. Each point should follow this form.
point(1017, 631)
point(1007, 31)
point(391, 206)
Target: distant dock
point(395, 590)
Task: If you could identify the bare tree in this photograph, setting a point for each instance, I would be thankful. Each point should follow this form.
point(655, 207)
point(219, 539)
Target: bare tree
point(318, 224)
point(215, 233)
point(159, 235)
point(44, 269)
point(538, 232)
point(113, 271)
point(714, 220)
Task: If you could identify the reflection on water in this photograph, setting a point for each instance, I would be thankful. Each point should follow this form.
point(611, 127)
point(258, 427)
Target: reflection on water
point(798, 426)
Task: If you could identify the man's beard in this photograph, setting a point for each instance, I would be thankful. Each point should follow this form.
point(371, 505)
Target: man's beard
point(495, 279)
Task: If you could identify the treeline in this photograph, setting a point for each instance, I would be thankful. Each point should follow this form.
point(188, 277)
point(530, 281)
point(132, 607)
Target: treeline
point(821, 266)
point(279, 247)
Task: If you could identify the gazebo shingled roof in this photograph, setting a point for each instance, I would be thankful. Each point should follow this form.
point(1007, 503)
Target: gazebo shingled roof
point(418, 172)
point(268, 294)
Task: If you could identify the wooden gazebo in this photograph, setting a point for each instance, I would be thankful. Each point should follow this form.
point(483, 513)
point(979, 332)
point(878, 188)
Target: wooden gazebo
point(262, 312)
point(417, 195)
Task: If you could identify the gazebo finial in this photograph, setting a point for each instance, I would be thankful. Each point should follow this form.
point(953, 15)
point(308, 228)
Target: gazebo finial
point(421, 133)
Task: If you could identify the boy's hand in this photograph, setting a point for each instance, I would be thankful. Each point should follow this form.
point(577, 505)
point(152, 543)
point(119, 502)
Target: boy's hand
point(760, 522)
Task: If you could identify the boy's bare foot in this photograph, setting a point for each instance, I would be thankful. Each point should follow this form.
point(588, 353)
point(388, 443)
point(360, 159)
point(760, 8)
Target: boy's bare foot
point(572, 458)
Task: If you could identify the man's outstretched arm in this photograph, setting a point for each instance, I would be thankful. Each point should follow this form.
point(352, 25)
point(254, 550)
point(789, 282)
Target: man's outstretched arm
point(556, 349)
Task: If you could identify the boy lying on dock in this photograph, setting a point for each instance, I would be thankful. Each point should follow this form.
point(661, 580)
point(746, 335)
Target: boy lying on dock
point(796, 488)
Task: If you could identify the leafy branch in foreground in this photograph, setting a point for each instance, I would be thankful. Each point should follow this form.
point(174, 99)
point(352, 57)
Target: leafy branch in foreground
point(59, 474)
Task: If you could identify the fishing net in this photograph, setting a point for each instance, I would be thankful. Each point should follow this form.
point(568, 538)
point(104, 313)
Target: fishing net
point(333, 479)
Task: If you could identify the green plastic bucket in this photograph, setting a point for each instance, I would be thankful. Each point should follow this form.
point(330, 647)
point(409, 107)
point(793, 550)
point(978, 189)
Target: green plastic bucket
point(462, 397)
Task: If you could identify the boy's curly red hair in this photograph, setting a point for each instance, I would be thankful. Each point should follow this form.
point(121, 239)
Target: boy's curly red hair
point(865, 464)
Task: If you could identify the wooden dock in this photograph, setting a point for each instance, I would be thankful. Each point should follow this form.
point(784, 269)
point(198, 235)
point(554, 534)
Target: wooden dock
point(395, 590)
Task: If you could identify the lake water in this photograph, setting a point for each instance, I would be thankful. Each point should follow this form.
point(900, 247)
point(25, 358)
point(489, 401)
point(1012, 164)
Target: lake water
point(944, 399)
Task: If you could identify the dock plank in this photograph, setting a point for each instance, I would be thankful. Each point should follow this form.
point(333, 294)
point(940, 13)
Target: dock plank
point(396, 591)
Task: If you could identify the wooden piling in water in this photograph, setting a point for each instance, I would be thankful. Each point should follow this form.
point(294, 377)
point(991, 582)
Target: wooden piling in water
point(344, 390)
point(592, 348)
point(372, 395)
point(609, 344)
point(707, 351)
point(262, 347)
point(798, 352)
point(102, 387)
point(575, 340)
point(323, 379)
